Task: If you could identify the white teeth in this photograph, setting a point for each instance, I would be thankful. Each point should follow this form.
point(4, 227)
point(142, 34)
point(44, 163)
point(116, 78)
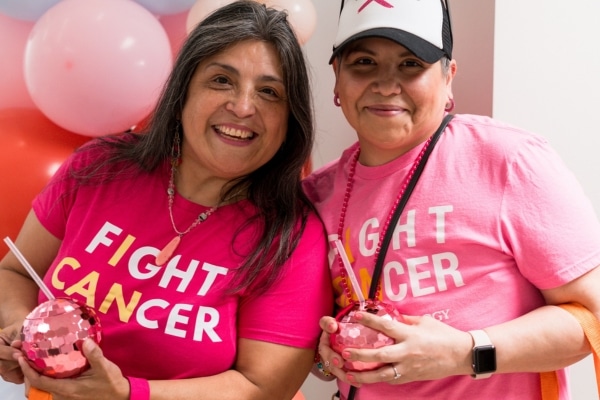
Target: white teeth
point(238, 133)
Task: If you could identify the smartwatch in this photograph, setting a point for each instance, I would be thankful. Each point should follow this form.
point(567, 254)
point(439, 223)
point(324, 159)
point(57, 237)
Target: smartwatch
point(484, 355)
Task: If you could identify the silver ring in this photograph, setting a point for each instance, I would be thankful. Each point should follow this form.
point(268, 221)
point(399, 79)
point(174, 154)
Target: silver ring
point(396, 374)
point(326, 364)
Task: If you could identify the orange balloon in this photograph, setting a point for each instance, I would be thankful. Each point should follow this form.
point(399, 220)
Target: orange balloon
point(299, 396)
point(31, 150)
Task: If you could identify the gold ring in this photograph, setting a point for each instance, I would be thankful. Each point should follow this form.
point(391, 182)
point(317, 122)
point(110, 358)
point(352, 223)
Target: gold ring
point(396, 374)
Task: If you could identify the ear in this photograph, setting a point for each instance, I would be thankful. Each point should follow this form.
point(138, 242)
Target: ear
point(335, 65)
point(451, 71)
point(450, 76)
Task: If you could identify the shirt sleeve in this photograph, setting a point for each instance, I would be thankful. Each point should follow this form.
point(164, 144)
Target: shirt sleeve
point(289, 312)
point(549, 224)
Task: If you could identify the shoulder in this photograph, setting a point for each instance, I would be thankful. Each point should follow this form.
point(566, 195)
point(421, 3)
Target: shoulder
point(493, 130)
point(489, 137)
point(320, 183)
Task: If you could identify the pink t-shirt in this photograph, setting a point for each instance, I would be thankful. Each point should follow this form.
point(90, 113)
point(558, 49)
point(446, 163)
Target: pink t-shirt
point(175, 321)
point(495, 217)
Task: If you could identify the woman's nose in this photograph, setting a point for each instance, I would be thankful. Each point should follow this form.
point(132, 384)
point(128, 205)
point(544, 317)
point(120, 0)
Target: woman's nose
point(387, 84)
point(242, 103)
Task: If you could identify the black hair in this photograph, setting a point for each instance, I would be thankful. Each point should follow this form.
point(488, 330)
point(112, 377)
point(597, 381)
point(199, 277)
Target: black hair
point(275, 187)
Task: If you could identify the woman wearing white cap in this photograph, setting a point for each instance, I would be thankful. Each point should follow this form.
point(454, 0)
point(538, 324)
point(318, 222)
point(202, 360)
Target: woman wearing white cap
point(487, 231)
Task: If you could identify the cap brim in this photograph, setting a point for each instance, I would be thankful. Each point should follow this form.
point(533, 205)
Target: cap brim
point(419, 47)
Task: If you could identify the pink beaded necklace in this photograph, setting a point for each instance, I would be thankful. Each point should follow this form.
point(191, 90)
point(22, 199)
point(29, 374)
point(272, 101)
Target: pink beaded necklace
point(405, 191)
point(349, 187)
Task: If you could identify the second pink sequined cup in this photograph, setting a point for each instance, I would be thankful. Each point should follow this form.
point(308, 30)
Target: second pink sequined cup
point(352, 334)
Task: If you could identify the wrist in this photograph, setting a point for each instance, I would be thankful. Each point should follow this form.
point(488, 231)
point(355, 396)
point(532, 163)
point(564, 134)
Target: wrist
point(484, 355)
point(139, 389)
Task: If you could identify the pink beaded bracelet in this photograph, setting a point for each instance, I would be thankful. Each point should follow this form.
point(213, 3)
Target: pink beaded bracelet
point(139, 389)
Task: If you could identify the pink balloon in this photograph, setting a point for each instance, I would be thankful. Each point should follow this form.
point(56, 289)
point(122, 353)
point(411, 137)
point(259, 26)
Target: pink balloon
point(302, 16)
point(175, 26)
point(201, 9)
point(13, 92)
point(97, 67)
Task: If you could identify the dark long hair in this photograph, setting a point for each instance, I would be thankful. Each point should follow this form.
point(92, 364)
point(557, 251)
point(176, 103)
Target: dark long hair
point(275, 187)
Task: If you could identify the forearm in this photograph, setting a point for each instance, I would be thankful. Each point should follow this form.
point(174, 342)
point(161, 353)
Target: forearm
point(263, 371)
point(545, 339)
point(227, 385)
point(18, 296)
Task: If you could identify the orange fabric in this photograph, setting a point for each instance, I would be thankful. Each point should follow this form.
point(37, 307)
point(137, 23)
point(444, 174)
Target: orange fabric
point(591, 327)
point(36, 394)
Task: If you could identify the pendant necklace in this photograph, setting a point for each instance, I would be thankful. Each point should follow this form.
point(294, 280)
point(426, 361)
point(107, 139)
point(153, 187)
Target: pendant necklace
point(349, 187)
point(165, 254)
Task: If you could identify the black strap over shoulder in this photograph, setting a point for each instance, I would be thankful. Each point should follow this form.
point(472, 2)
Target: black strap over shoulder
point(398, 211)
point(385, 243)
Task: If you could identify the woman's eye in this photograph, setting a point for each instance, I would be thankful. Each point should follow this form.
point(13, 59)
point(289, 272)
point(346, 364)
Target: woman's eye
point(410, 63)
point(363, 61)
point(221, 80)
point(271, 94)
point(269, 91)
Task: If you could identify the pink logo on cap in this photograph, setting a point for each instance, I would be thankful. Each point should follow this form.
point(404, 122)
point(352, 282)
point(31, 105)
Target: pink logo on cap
point(380, 2)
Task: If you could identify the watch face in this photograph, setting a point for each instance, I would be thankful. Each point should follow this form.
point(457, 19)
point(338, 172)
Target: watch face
point(484, 359)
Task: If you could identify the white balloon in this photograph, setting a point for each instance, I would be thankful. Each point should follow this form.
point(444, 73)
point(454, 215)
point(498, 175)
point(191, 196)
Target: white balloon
point(201, 9)
point(302, 16)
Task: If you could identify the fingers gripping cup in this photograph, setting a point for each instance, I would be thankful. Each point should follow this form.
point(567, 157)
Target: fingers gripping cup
point(52, 336)
point(53, 333)
point(352, 334)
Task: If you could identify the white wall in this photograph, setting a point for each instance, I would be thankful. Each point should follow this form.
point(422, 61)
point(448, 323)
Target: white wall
point(534, 64)
point(547, 79)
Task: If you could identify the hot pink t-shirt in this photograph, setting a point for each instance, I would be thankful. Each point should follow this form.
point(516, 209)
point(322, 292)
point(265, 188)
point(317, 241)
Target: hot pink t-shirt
point(495, 217)
point(175, 321)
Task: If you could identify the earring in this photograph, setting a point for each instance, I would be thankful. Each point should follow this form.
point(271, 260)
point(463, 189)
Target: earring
point(176, 148)
point(450, 107)
point(336, 100)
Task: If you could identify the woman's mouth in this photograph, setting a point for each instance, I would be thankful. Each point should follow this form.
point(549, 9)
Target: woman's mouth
point(234, 133)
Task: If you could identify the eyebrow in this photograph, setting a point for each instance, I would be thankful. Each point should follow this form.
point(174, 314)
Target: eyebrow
point(229, 68)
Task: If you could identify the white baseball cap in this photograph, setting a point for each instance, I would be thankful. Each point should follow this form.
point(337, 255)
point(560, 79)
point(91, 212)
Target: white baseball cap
point(422, 26)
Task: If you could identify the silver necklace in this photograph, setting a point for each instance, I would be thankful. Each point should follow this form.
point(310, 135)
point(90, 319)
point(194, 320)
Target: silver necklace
point(165, 254)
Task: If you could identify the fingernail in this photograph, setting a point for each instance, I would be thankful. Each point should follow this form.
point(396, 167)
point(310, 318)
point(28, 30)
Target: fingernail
point(335, 362)
point(331, 327)
point(89, 344)
point(346, 354)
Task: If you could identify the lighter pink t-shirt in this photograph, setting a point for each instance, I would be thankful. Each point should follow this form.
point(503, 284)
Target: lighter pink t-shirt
point(175, 321)
point(495, 217)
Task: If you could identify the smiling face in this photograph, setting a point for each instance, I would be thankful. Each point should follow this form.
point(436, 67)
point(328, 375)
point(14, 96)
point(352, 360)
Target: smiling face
point(391, 98)
point(236, 112)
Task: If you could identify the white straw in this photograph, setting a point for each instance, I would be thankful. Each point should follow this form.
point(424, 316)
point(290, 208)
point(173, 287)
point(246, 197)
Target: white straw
point(29, 268)
point(350, 272)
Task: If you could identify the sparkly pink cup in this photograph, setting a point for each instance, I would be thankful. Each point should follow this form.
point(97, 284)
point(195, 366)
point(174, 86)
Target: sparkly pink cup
point(52, 335)
point(352, 334)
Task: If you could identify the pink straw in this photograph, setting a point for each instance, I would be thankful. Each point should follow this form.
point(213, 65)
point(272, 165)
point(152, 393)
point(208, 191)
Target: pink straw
point(350, 272)
point(29, 268)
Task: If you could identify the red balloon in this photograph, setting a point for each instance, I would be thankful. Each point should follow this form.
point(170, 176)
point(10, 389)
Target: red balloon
point(31, 150)
point(175, 26)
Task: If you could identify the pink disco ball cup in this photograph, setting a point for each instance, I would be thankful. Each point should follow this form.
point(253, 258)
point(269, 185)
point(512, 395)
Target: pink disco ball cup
point(352, 334)
point(53, 333)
